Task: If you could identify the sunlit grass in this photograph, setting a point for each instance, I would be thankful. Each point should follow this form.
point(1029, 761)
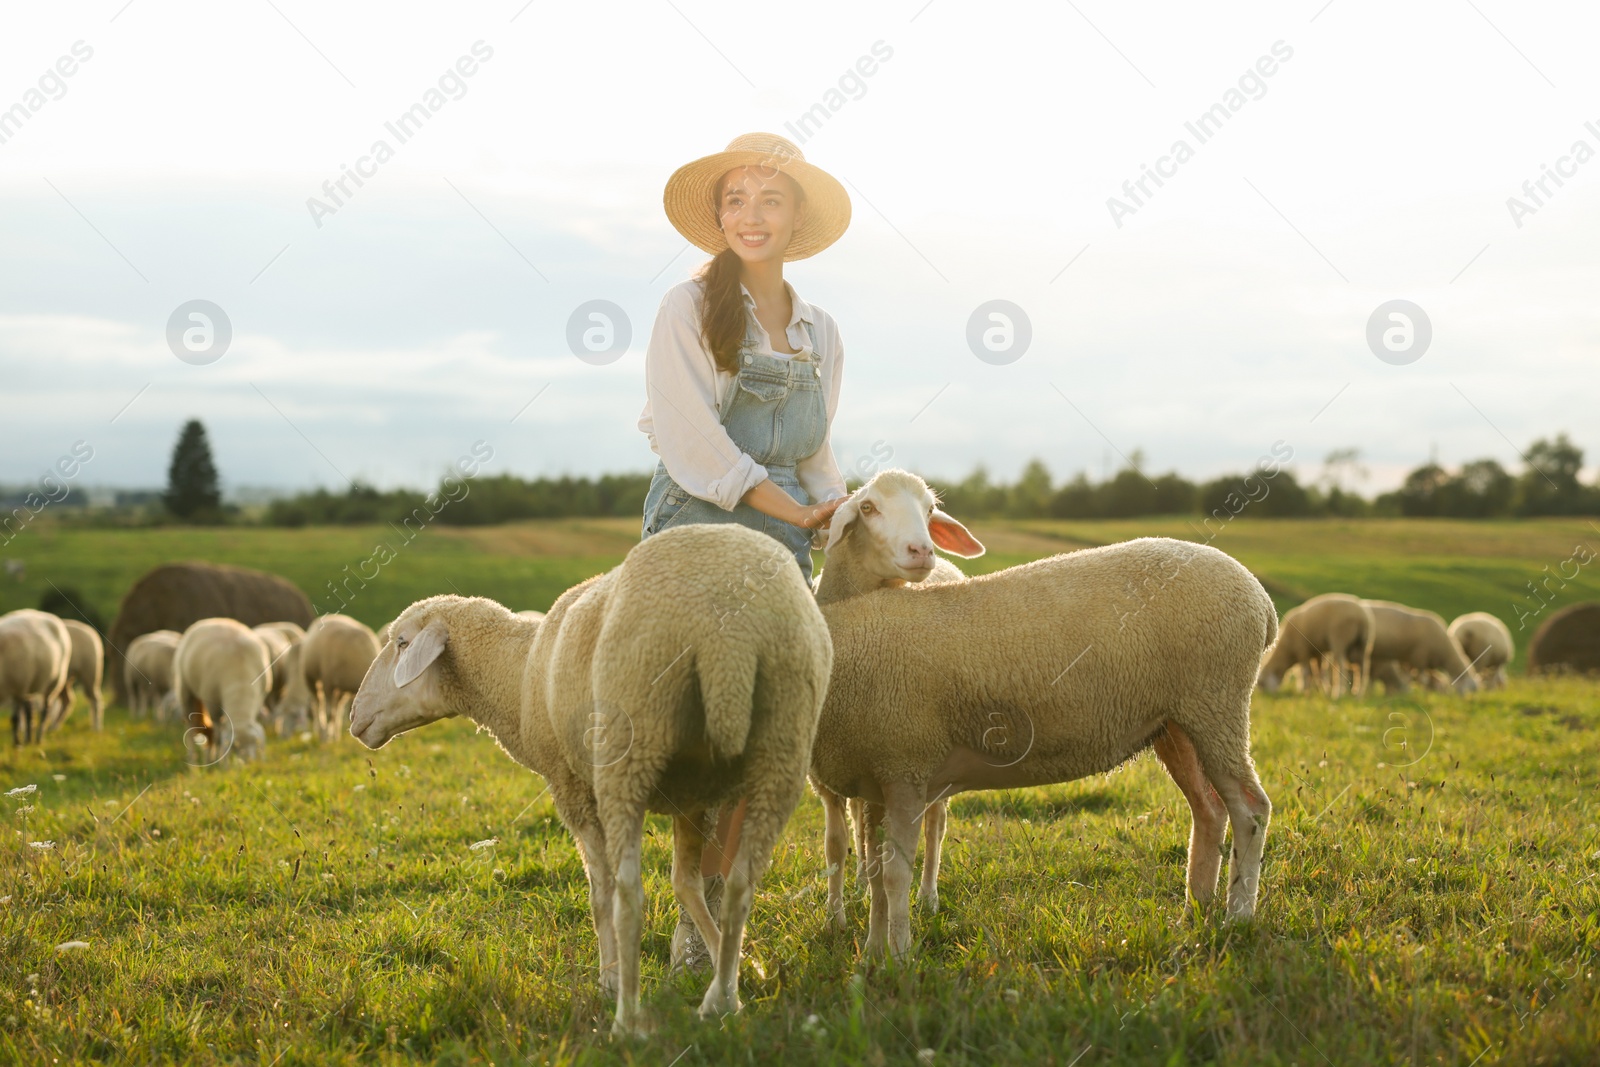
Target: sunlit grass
point(1429, 894)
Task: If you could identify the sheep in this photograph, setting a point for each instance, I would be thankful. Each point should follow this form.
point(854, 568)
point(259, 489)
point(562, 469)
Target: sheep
point(147, 671)
point(1408, 637)
point(901, 520)
point(35, 658)
point(86, 668)
point(290, 699)
point(222, 669)
point(1334, 630)
point(644, 688)
point(334, 657)
point(1487, 643)
point(1045, 672)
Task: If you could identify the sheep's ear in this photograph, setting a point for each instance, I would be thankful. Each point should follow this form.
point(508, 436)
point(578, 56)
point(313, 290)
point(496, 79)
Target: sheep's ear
point(953, 537)
point(420, 653)
point(843, 516)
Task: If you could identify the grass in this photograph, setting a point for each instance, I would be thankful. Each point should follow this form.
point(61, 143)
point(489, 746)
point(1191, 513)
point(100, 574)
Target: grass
point(1429, 894)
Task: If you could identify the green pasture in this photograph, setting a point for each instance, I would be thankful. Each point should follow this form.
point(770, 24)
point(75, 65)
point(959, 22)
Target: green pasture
point(1429, 890)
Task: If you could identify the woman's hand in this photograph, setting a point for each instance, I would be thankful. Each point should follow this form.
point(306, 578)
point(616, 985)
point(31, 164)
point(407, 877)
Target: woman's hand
point(770, 498)
point(813, 516)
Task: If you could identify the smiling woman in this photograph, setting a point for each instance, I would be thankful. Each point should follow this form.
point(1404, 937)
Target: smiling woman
point(742, 376)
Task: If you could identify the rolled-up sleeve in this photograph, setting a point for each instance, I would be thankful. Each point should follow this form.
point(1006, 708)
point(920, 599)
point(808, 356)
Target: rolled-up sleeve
point(681, 415)
point(819, 472)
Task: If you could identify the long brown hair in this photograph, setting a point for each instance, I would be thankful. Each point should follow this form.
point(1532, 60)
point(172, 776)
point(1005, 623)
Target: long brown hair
point(722, 316)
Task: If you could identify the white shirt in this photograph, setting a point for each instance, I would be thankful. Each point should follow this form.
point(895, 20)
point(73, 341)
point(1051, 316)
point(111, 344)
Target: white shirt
point(685, 428)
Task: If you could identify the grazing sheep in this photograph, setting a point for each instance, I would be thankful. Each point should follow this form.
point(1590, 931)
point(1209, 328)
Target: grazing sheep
point(173, 596)
point(334, 657)
point(148, 671)
point(1046, 672)
point(223, 670)
point(1411, 638)
point(1332, 633)
point(1487, 643)
point(35, 656)
point(641, 690)
point(86, 669)
point(290, 699)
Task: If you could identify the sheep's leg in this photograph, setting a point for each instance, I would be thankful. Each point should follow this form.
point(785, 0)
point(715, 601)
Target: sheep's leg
point(936, 818)
point(1339, 671)
point(878, 909)
point(624, 832)
point(836, 846)
point(902, 816)
point(584, 824)
point(766, 809)
point(97, 709)
point(858, 821)
point(1210, 815)
point(688, 845)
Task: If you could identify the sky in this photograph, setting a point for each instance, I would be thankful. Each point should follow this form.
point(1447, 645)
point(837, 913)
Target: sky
point(1359, 153)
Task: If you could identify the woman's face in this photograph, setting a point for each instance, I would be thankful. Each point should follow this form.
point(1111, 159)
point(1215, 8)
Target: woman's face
point(760, 210)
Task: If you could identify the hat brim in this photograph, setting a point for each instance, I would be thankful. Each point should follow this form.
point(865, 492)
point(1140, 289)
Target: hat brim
point(692, 211)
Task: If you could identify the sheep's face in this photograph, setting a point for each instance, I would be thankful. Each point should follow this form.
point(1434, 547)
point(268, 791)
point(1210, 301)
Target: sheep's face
point(401, 690)
point(899, 523)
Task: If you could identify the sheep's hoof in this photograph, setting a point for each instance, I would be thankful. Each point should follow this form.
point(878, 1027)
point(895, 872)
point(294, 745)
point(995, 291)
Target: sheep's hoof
point(717, 1005)
point(929, 901)
point(836, 918)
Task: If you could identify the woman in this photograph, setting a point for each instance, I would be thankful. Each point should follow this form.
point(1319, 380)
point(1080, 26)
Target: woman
point(742, 376)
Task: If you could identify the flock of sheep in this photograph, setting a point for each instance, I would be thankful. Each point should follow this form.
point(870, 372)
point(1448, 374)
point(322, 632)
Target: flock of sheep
point(1343, 643)
point(703, 679)
point(226, 681)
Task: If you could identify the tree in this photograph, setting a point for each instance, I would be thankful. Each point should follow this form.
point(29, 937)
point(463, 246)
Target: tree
point(192, 490)
point(1550, 484)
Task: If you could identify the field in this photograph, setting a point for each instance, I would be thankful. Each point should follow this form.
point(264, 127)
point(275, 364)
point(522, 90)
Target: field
point(1429, 893)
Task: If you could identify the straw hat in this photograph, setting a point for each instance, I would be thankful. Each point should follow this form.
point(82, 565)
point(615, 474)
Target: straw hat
point(690, 196)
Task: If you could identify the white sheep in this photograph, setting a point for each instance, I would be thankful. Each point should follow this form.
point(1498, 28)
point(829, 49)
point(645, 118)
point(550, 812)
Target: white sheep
point(900, 520)
point(1044, 672)
point(222, 670)
point(687, 677)
point(1487, 643)
point(1410, 638)
point(147, 672)
point(1330, 634)
point(334, 657)
point(290, 700)
point(35, 656)
point(86, 669)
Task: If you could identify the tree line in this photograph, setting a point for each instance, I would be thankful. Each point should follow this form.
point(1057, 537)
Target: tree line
point(1549, 484)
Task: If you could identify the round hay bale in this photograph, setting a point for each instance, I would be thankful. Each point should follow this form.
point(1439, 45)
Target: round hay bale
point(173, 596)
point(1569, 640)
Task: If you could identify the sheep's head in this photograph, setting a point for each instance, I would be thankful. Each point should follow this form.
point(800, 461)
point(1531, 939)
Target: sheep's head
point(402, 690)
point(897, 522)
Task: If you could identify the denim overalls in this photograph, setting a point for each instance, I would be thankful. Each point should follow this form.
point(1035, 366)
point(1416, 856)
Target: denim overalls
point(776, 411)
